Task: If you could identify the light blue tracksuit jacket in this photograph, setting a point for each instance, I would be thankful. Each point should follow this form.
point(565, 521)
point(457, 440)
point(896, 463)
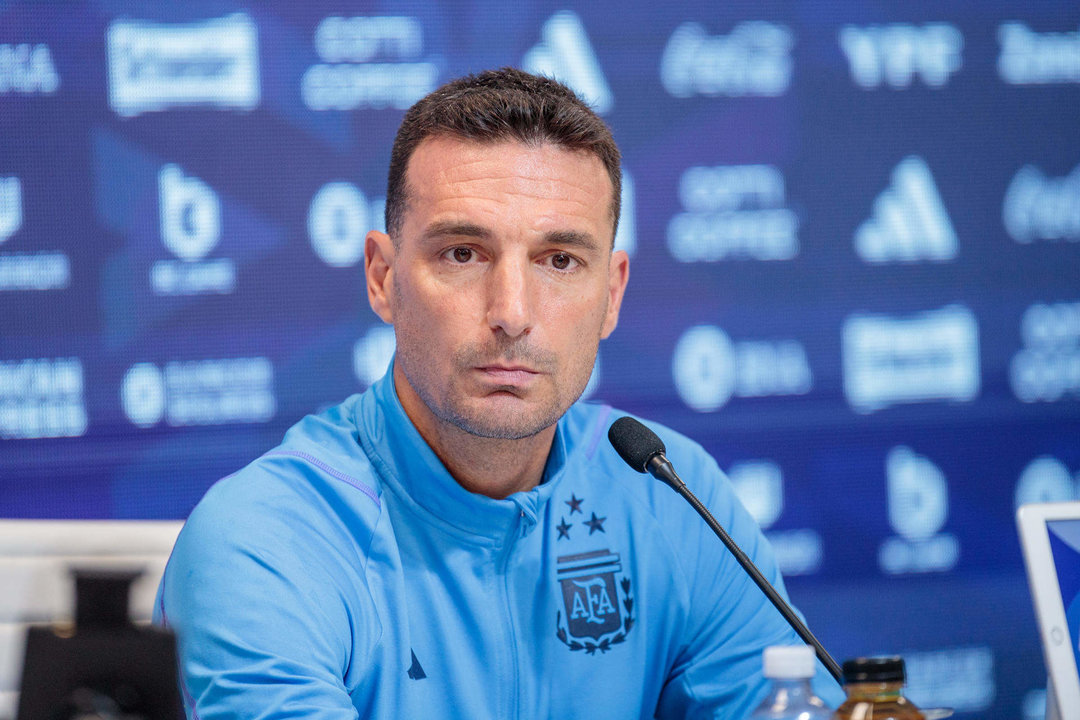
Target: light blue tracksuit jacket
point(346, 574)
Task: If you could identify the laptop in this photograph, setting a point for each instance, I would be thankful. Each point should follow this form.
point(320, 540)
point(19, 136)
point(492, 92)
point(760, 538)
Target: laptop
point(1050, 538)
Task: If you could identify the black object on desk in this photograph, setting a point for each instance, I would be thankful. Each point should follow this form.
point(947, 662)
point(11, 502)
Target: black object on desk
point(105, 668)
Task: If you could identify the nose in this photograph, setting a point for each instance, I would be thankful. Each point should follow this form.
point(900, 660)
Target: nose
point(510, 302)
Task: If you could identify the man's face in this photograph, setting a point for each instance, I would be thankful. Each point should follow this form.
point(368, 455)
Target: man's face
point(501, 284)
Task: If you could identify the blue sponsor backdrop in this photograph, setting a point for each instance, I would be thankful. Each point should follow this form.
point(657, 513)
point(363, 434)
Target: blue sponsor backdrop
point(855, 242)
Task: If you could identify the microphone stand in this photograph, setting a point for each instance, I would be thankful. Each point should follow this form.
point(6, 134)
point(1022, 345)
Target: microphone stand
point(660, 468)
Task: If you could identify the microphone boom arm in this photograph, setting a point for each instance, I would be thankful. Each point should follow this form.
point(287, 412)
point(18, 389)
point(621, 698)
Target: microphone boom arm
point(660, 468)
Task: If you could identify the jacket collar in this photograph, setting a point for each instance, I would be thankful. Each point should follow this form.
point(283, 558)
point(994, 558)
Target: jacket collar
point(412, 470)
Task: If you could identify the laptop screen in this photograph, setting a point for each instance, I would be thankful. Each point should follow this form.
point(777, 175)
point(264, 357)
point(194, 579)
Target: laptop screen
point(1065, 547)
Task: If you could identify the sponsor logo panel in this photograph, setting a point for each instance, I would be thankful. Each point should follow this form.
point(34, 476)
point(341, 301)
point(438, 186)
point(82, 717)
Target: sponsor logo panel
point(930, 356)
point(961, 678)
point(897, 55)
point(909, 223)
point(21, 271)
point(753, 59)
point(339, 218)
point(733, 212)
point(1047, 479)
point(27, 69)
point(709, 368)
point(1047, 367)
point(1037, 207)
point(190, 224)
point(565, 53)
point(42, 398)
point(159, 66)
point(1033, 58)
point(199, 392)
point(368, 62)
point(918, 505)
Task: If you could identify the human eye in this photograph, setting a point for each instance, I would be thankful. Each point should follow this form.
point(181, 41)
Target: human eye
point(460, 255)
point(563, 262)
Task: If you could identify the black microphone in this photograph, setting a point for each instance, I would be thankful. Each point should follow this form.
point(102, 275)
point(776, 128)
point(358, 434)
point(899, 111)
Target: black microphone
point(644, 451)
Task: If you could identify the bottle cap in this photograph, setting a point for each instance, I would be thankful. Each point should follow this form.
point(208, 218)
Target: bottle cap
point(788, 662)
point(875, 669)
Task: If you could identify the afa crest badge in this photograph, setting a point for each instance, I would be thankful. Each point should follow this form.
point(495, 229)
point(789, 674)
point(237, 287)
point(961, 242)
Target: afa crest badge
point(598, 605)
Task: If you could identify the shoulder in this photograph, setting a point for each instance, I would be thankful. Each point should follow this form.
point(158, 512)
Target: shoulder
point(588, 424)
point(651, 502)
point(313, 492)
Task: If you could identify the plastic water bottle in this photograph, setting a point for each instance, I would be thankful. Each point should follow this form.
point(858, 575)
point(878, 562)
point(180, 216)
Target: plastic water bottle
point(790, 668)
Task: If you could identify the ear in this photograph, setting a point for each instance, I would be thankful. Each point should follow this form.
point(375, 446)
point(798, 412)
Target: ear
point(618, 275)
point(379, 272)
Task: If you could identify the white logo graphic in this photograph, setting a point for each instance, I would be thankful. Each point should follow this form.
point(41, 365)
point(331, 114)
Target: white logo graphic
point(895, 55)
point(961, 678)
point(626, 234)
point(909, 221)
point(930, 356)
point(704, 368)
point(371, 62)
point(918, 503)
point(733, 212)
point(41, 398)
point(1046, 479)
point(708, 368)
point(1047, 368)
point(755, 59)
point(338, 221)
point(566, 55)
point(26, 271)
point(1040, 208)
point(27, 69)
point(918, 494)
point(142, 394)
point(372, 354)
point(190, 214)
point(200, 392)
point(190, 229)
point(155, 66)
point(759, 485)
point(10, 207)
point(1031, 58)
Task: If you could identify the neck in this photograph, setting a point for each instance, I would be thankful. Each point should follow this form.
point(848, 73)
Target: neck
point(487, 466)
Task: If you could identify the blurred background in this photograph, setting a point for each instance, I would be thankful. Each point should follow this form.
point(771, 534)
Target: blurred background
point(854, 231)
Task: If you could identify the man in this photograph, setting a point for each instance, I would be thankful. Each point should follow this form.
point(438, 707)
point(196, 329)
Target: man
point(459, 541)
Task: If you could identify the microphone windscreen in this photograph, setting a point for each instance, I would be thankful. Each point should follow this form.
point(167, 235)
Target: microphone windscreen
point(635, 443)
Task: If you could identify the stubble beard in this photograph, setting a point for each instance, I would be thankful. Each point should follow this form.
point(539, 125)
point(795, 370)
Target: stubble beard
point(503, 423)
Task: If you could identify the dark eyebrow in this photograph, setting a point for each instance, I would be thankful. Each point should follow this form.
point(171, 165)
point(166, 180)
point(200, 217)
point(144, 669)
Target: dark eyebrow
point(571, 238)
point(450, 228)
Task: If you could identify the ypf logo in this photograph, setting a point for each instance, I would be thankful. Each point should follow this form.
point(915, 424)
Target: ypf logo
point(10, 207)
point(190, 214)
point(895, 55)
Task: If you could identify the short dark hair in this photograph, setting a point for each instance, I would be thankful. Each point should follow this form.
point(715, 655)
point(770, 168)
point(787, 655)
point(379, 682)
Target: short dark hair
point(496, 105)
